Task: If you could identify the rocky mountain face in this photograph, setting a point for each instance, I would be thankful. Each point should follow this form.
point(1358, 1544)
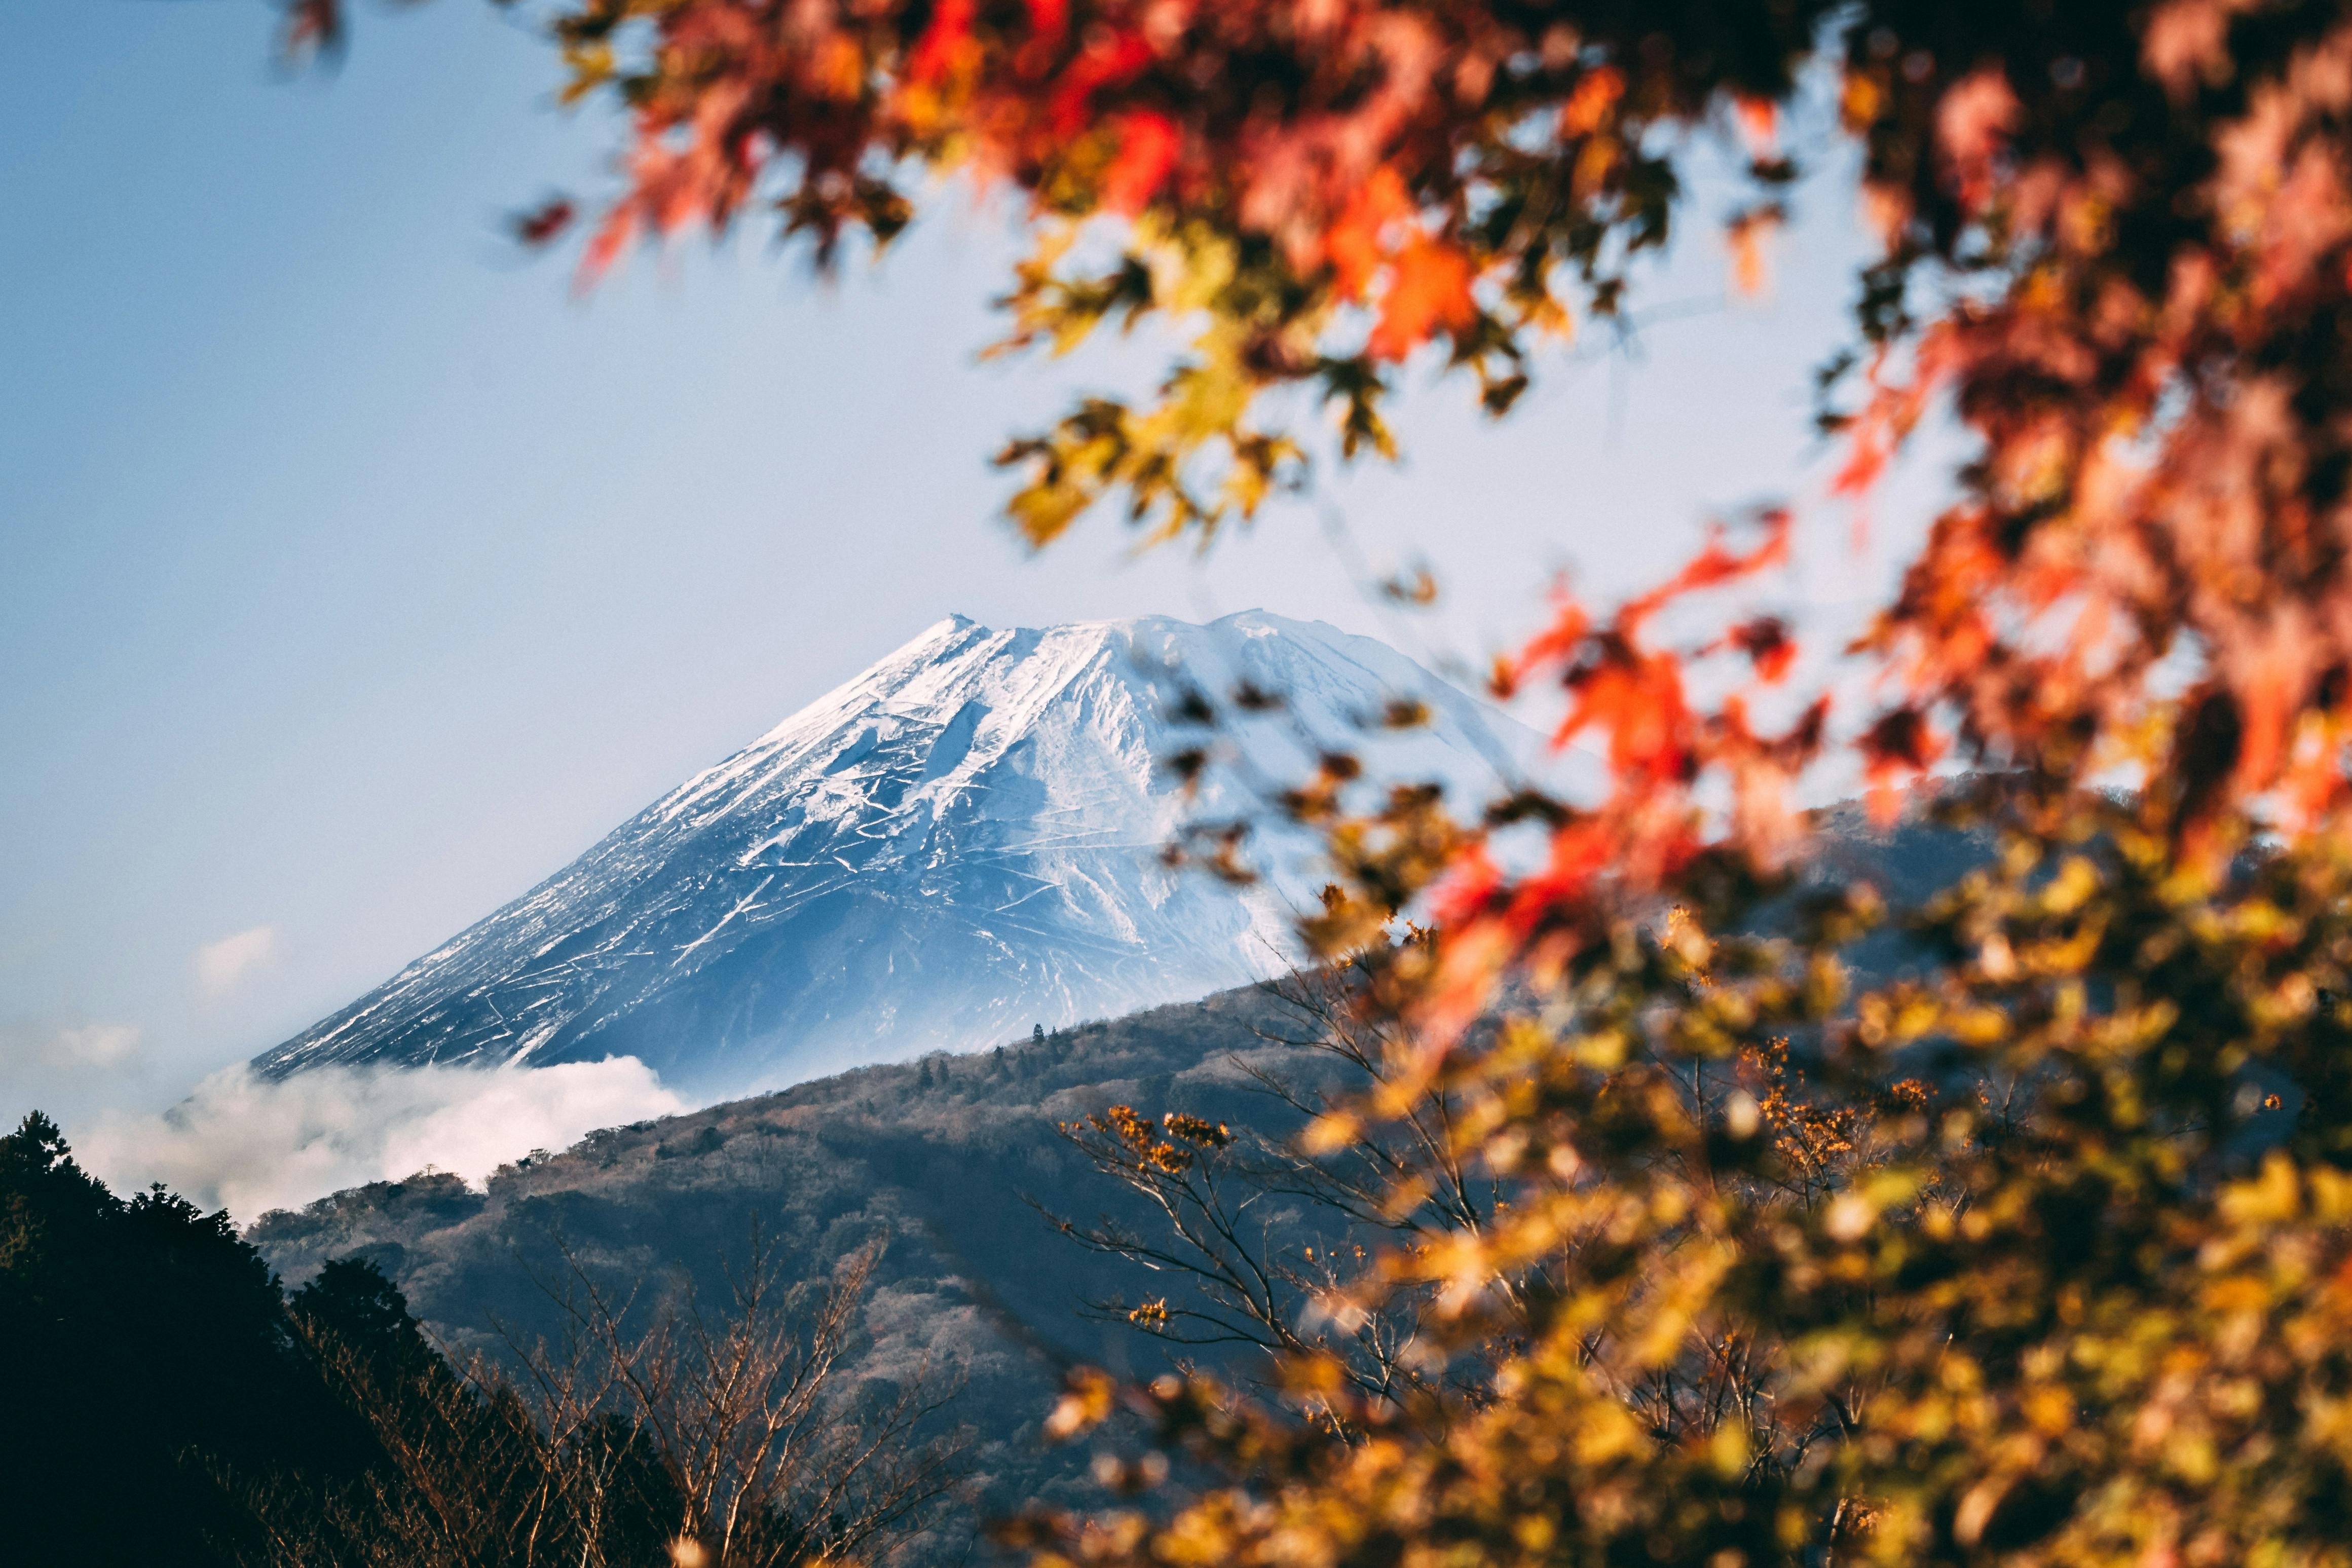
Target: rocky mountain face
point(963, 841)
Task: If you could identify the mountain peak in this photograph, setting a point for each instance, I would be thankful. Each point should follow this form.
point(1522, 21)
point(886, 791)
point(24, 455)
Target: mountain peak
point(962, 840)
point(948, 625)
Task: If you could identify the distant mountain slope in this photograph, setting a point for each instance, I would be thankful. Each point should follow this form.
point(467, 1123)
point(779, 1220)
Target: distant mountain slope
point(939, 1157)
point(936, 1157)
point(961, 841)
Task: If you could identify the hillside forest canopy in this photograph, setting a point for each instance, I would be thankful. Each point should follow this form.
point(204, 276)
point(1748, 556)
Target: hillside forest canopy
point(2032, 1251)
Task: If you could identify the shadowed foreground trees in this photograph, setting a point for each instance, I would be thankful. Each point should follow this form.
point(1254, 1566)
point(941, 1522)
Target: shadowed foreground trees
point(650, 1431)
point(142, 1343)
point(167, 1405)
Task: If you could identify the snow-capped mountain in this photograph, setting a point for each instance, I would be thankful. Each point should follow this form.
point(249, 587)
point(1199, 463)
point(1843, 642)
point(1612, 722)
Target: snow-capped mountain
point(963, 841)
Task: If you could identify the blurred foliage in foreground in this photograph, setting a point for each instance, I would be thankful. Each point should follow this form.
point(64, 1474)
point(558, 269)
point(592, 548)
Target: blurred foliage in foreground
point(2038, 1255)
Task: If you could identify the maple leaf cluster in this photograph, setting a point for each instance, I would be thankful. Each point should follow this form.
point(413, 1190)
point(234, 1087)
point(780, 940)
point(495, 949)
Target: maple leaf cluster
point(1312, 189)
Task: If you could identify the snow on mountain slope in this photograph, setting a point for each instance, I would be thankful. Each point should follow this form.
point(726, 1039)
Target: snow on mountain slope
point(963, 840)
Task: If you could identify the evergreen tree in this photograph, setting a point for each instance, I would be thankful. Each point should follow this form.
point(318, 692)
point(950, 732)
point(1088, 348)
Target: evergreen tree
point(148, 1353)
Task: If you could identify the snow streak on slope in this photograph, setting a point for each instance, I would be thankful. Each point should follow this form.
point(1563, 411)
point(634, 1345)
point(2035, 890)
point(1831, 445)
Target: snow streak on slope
point(965, 840)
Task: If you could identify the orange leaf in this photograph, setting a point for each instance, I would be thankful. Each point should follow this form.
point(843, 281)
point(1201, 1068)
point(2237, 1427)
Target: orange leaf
point(1353, 243)
point(1147, 151)
point(1639, 701)
point(604, 247)
point(1556, 643)
point(1759, 125)
point(1582, 851)
point(1109, 62)
point(1429, 291)
point(1589, 104)
point(1747, 236)
point(1715, 563)
point(1467, 885)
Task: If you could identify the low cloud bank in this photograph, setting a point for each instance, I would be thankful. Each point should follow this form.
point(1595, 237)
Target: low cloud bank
point(249, 1144)
point(221, 965)
point(79, 1045)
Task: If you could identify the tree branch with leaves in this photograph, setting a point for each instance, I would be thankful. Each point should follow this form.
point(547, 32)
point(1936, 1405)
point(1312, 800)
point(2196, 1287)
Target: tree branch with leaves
point(2082, 1300)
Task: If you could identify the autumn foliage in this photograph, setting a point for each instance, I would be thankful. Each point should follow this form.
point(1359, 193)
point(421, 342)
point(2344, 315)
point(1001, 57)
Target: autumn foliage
point(2031, 1247)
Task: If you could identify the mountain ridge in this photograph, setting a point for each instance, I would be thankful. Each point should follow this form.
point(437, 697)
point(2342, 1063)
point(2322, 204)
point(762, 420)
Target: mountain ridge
point(962, 840)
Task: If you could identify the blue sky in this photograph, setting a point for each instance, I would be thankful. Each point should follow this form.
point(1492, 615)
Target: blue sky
point(355, 575)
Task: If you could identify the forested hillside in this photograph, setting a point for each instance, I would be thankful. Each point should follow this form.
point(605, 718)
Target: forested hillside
point(939, 1159)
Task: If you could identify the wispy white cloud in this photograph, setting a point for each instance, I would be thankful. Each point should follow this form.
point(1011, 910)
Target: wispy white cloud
point(39, 1055)
point(92, 1046)
point(250, 1144)
point(221, 965)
